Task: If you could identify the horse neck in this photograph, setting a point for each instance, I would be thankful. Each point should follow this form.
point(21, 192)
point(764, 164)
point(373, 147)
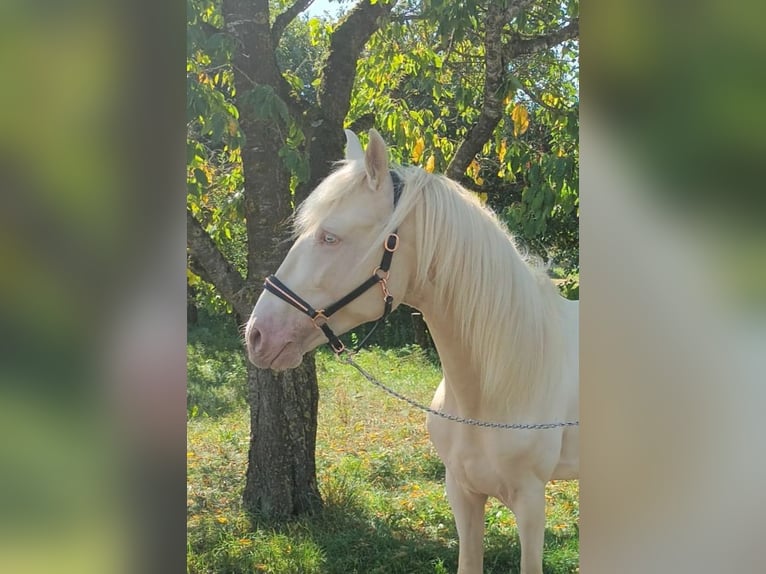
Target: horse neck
point(461, 374)
point(464, 369)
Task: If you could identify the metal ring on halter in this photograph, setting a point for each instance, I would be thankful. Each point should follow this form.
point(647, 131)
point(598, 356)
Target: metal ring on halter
point(319, 315)
point(337, 350)
point(396, 243)
point(385, 274)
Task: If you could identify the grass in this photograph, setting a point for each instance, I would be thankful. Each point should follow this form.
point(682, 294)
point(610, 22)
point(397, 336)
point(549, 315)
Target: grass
point(381, 481)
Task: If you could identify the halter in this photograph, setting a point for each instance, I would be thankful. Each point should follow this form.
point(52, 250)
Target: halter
point(379, 277)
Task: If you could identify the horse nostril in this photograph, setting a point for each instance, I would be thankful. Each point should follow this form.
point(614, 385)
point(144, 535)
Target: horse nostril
point(254, 339)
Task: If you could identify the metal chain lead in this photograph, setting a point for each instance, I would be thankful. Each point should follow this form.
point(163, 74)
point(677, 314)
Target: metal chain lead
point(349, 360)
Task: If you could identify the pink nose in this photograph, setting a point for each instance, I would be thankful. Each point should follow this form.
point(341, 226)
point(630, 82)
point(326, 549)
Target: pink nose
point(264, 341)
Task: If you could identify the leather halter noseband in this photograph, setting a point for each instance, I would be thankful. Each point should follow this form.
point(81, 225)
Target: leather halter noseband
point(379, 277)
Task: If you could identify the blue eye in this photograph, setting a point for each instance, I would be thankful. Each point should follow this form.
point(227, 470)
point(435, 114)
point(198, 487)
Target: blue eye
point(329, 238)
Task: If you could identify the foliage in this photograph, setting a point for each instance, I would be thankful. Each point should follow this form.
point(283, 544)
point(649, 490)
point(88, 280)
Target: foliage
point(213, 141)
point(432, 70)
point(381, 480)
point(570, 286)
point(420, 82)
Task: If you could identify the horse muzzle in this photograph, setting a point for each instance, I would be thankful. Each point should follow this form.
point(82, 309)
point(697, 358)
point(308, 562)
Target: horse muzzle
point(272, 347)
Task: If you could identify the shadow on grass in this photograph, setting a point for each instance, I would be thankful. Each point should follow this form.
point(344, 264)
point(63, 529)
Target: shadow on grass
point(502, 553)
point(386, 470)
point(357, 540)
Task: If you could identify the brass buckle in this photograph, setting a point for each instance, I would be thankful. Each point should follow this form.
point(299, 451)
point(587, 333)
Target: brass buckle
point(396, 243)
point(338, 351)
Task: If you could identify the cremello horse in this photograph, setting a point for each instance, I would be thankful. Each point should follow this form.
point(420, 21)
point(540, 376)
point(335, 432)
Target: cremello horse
point(508, 343)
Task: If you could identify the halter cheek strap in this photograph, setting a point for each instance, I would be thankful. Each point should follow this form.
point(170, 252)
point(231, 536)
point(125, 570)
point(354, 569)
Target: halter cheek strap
point(379, 277)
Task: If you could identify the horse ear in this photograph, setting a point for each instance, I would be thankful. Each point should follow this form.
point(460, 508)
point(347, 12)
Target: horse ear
point(353, 147)
point(376, 160)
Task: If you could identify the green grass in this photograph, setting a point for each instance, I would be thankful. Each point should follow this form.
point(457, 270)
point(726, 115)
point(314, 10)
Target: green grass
point(215, 369)
point(385, 510)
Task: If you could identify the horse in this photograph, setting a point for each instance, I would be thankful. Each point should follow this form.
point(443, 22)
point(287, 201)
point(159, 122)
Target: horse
point(507, 341)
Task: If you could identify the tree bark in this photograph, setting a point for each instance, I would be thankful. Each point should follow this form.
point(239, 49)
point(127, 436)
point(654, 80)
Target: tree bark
point(281, 473)
point(208, 262)
point(191, 308)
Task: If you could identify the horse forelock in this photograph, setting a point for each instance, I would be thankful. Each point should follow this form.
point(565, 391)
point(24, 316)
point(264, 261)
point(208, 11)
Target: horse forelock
point(346, 178)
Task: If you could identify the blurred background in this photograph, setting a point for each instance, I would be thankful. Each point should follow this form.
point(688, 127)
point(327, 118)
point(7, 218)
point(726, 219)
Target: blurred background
point(92, 257)
point(672, 268)
point(93, 294)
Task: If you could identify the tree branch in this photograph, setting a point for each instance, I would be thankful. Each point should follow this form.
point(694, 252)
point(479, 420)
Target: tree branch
point(514, 8)
point(492, 107)
point(497, 56)
point(520, 46)
point(362, 123)
point(213, 267)
point(196, 268)
point(532, 96)
point(346, 44)
point(334, 95)
point(255, 61)
point(209, 29)
point(283, 20)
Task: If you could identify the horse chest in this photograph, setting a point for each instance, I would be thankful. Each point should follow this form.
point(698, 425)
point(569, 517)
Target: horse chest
point(478, 460)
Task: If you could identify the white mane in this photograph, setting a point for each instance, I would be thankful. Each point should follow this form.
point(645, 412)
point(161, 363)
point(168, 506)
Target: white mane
point(468, 261)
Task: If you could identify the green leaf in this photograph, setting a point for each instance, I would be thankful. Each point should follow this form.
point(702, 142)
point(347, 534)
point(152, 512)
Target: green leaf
point(267, 104)
point(201, 177)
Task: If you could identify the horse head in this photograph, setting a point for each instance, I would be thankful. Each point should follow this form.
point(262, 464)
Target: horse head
point(341, 234)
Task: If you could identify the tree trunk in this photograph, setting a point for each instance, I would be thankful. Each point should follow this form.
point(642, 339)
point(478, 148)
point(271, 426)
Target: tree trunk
point(281, 473)
point(191, 306)
point(420, 329)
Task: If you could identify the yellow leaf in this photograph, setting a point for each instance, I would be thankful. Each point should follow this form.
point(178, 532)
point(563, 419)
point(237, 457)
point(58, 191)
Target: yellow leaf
point(192, 279)
point(479, 181)
point(431, 164)
point(550, 100)
point(507, 100)
point(417, 151)
point(474, 169)
point(503, 150)
point(520, 118)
